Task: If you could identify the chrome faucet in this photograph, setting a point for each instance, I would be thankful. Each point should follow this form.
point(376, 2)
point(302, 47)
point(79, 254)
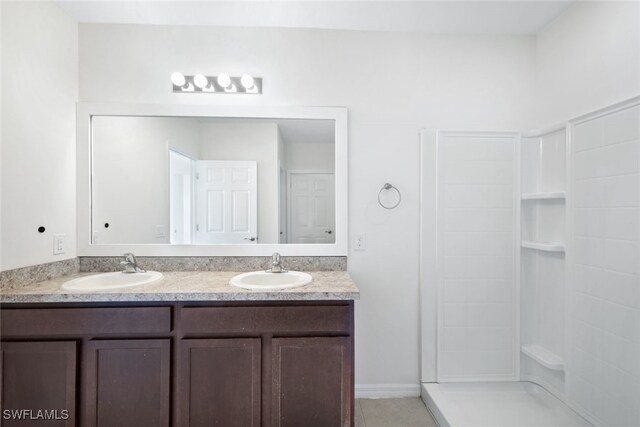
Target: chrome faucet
point(276, 264)
point(131, 264)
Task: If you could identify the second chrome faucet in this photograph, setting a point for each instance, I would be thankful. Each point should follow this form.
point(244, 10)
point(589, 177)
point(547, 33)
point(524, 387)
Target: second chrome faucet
point(276, 264)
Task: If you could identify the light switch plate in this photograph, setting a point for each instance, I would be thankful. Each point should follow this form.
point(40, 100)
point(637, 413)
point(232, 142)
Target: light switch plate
point(58, 243)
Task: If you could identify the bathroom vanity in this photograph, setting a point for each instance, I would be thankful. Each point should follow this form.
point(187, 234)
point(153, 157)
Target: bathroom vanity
point(190, 349)
point(203, 353)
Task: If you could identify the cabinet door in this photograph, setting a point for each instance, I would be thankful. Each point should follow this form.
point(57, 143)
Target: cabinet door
point(219, 382)
point(127, 383)
point(312, 382)
point(38, 376)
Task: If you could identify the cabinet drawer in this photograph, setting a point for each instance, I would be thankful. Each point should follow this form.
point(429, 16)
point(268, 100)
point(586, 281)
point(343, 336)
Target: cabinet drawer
point(278, 320)
point(84, 321)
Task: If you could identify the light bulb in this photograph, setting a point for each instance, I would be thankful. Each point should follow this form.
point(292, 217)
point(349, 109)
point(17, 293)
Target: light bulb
point(201, 81)
point(224, 80)
point(247, 81)
point(177, 78)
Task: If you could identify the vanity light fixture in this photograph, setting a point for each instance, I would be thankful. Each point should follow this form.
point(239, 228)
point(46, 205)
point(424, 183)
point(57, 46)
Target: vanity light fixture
point(179, 80)
point(201, 81)
point(224, 80)
point(248, 83)
point(222, 83)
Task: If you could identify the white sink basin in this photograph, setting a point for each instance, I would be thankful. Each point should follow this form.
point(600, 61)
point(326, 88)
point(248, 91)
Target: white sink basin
point(105, 281)
point(261, 280)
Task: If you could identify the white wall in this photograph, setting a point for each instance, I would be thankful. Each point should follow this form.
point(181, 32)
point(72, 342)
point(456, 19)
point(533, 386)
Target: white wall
point(39, 91)
point(249, 141)
point(309, 156)
point(1, 119)
point(434, 81)
point(588, 58)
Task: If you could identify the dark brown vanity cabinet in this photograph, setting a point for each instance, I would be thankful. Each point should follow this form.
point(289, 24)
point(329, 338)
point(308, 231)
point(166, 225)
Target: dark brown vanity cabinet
point(127, 382)
point(102, 366)
point(38, 375)
point(219, 382)
point(181, 364)
point(311, 383)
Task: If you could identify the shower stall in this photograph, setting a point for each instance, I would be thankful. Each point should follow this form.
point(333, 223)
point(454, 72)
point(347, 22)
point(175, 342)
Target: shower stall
point(530, 273)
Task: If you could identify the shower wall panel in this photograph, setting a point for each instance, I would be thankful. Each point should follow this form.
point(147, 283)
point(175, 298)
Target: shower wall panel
point(603, 361)
point(477, 315)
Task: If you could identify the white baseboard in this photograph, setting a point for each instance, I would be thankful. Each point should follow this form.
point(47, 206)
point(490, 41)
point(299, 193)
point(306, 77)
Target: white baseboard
point(379, 391)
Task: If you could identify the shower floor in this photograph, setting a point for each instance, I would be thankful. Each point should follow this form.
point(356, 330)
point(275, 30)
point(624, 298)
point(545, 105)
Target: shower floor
point(516, 404)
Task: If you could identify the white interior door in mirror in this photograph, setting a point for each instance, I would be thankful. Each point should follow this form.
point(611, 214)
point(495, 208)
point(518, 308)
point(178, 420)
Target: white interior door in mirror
point(311, 208)
point(226, 201)
point(181, 174)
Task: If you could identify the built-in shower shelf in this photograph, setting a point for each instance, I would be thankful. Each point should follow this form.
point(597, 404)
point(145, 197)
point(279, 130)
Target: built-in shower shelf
point(551, 195)
point(544, 357)
point(543, 246)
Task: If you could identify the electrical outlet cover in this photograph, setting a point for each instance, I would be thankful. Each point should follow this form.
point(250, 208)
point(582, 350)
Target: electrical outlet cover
point(58, 244)
point(359, 242)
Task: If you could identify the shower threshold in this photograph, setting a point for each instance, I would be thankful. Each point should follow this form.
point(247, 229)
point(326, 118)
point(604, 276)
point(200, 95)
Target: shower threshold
point(505, 404)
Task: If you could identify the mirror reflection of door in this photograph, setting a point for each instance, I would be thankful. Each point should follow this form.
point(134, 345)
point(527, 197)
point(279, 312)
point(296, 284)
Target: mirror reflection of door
point(226, 201)
point(311, 207)
point(282, 205)
point(181, 198)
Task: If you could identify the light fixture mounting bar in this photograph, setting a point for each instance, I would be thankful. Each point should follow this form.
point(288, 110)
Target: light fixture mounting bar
point(213, 85)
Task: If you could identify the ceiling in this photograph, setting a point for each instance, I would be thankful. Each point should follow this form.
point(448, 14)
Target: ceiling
point(307, 131)
point(292, 131)
point(440, 17)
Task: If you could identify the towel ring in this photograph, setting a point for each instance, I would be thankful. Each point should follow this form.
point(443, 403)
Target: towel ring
point(388, 186)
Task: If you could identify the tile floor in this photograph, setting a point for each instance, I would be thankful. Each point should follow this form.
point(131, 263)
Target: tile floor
point(407, 412)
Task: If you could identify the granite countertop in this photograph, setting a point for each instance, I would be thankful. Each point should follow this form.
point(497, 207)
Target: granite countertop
point(186, 286)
